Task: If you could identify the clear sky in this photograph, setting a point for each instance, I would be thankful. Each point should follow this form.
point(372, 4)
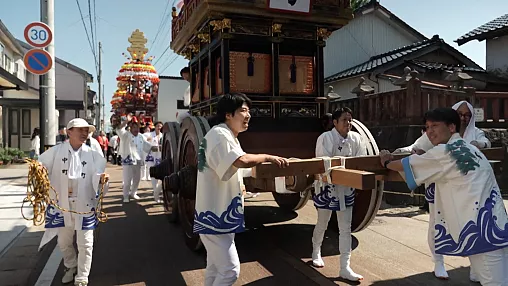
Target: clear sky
point(117, 19)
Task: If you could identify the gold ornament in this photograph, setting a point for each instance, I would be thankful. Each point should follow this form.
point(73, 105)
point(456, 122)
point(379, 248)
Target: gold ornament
point(221, 24)
point(276, 28)
point(137, 48)
point(323, 33)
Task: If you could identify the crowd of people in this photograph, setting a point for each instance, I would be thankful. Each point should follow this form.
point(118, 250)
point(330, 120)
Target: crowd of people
point(467, 214)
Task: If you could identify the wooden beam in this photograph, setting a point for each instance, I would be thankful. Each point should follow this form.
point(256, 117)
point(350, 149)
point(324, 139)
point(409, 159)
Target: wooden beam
point(360, 180)
point(316, 166)
point(364, 163)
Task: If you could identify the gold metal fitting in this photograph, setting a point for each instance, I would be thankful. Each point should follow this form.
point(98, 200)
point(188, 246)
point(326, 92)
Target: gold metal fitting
point(323, 33)
point(221, 24)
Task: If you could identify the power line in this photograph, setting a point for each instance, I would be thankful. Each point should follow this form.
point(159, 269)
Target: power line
point(94, 42)
point(87, 36)
point(158, 59)
point(95, 21)
point(160, 25)
point(174, 59)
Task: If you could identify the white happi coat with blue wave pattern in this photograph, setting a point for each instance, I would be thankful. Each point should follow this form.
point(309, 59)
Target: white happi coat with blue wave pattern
point(56, 160)
point(330, 144)
point(470, 216)
point(219, 195)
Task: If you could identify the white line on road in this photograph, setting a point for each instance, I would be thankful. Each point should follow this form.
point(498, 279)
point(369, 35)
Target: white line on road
point(50, 269)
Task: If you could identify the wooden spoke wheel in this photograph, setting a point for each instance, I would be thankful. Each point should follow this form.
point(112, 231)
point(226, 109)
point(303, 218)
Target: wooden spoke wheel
point(193, 130)
point(302, 188)
point(169, 153)
point(366, 202)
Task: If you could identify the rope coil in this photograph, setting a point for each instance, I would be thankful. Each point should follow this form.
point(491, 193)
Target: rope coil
point(38, 195)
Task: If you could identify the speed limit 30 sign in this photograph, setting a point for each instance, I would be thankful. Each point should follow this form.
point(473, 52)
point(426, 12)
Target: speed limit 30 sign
point(38, 34)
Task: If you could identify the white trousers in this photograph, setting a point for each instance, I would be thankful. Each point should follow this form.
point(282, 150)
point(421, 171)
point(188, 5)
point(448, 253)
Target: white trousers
point(491, 267)
point(84, 240)
point(156, 190)
point(344, 221)
point(131, 176)
point(145, 171)
point(222, 262)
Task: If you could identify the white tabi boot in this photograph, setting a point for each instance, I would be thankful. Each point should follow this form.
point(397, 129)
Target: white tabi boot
point(344, 218)
point(317, 261)
point(318, 235)
point(68, 276)
point(345, 269)
point(472, 275)
point(439, 267)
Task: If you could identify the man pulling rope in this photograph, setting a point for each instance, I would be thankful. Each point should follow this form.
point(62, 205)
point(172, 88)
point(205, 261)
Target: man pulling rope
point(75, 174)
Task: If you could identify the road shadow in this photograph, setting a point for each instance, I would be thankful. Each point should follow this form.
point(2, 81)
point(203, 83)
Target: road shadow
point(458, 276)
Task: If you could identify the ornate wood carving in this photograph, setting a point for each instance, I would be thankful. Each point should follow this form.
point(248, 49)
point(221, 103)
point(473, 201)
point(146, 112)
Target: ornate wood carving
point(261, 110)
point(299, 110)
point(221, 25)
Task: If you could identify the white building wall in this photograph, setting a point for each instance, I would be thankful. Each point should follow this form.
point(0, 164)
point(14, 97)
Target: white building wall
point(365, 36)
point(497, 56)
point(170, 90)
point(69, 84)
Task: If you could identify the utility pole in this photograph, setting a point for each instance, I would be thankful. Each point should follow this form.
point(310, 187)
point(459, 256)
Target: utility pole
point(47, 118)
point(103, 104)
point(99, 79)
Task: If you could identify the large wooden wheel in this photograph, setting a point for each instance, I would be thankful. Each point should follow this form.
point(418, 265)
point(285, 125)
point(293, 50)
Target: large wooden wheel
point(193, 130)
point(299, 192)
point(366, 202)
point(169, 157)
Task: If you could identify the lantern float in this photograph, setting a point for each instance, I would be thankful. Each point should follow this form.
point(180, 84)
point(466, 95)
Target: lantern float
point(138, 84)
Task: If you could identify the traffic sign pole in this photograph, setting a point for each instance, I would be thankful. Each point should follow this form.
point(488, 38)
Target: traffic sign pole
point(47, 95)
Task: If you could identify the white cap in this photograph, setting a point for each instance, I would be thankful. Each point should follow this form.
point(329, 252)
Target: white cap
point(80, 122)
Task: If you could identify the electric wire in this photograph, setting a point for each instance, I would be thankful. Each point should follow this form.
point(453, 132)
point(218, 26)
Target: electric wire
point(87, 35)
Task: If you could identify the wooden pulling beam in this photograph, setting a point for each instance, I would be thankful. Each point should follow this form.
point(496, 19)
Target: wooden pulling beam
point(359, 172)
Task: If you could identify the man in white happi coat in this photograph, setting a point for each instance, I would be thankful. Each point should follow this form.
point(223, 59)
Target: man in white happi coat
point(76, 172)
point(154, 158)
point(329, 198)
point(470, 217)
point(219, 193)
point(468, 131)
point(132, 147)
point(472, 135)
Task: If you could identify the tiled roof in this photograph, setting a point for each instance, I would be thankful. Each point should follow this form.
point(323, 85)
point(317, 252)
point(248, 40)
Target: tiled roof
point(382, 59)
point(442, 66)
point(486, 30)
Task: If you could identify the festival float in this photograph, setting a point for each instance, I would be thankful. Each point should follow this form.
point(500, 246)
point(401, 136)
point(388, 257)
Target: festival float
point(138, 84)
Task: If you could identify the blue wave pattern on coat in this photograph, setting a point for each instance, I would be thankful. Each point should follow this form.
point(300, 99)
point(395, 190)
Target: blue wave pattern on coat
point(54, 218)
point(430, 193)
point(481, 236)
point(90, 222)
point(230, 221)
point(149, 158)
point(128, 161)
point(325, 199)
point(157, 161)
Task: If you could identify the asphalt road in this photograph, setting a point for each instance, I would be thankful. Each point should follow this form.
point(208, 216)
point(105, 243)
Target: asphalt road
point(138, 246)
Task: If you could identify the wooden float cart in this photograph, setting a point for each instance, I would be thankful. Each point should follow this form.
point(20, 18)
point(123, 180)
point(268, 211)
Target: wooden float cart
point(275, 56)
